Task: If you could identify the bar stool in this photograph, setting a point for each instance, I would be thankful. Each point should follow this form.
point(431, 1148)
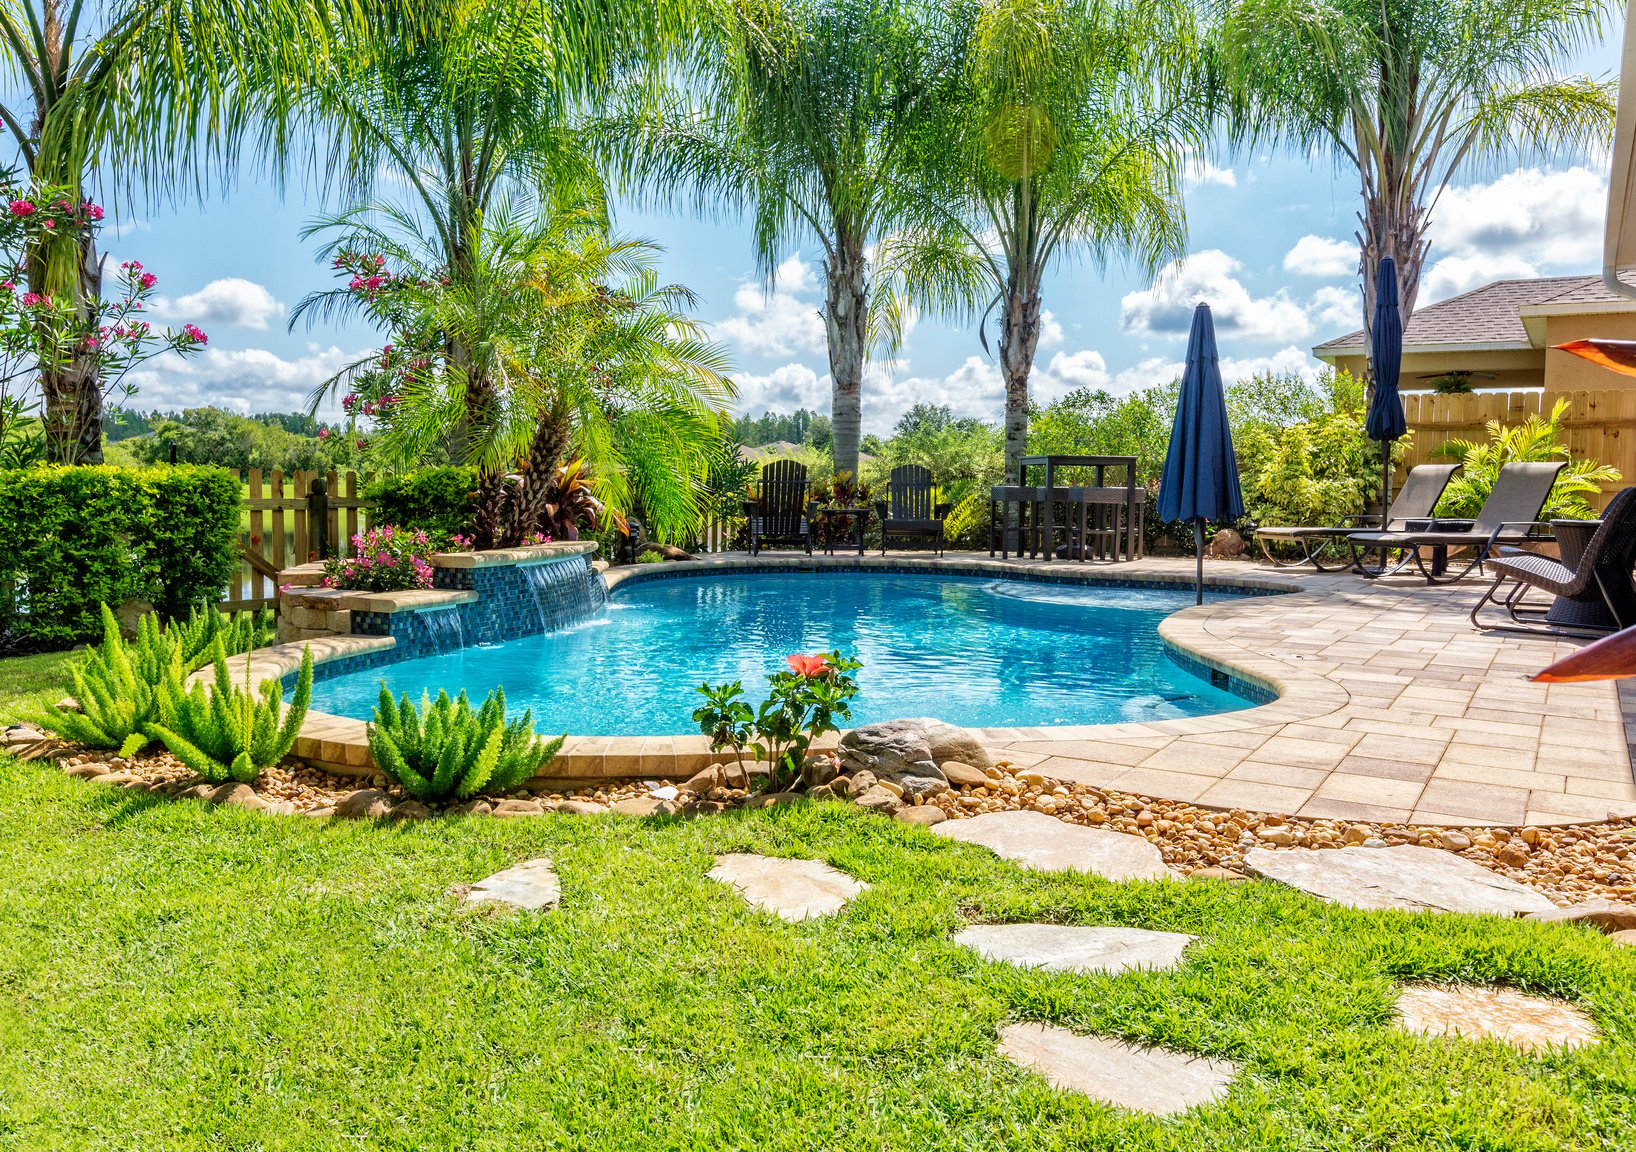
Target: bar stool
point(1027, 501)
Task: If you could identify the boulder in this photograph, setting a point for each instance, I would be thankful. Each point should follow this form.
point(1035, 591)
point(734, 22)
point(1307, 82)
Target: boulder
point(410, 810)
point(364, 804)
point(926, 786)
point(114, 778)
point(895, 748)
point(515, 809)
point(1217, 873)
point(644, 806)
point(820, 769)
point(1626, 937)
point(1226, 545)
point(582, 808)
point(859, 784)
point(87, 771)
point(237, 795)
point(950, 743)
point(878, 799)
point(474, 807)
point(926, 815)
point(702, 781)
point(963, 775)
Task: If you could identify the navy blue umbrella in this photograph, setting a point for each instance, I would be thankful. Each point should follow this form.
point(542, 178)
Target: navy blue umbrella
point(1385, 419)
point(1200, 480)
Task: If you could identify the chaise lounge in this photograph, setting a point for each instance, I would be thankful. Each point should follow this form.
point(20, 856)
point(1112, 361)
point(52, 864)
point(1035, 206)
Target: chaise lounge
point(1510, 515)
point(1411, 509)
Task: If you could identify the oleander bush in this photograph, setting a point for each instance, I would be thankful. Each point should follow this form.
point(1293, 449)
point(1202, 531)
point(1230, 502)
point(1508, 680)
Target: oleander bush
point(444, 750)
point(227, 732)
point(386, 559)
point(75, 538)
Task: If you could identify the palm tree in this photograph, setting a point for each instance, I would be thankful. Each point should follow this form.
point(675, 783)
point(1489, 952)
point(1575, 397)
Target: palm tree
point(1068, 137)
point(812, 112)
point(165, 86)
point(584, 355)
point(1410, 93)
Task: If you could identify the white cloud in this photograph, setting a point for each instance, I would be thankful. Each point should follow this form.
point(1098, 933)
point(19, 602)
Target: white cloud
point(233, 302)
point(1201, 171)
point(1336, 310)
point(1050, 330)
point(783, 389)
point(1161, 370)
point(780, 322)
point(1453, 275)
point(1069, 370)
point(1166, 309)
point(241, 380)
point(1321, 256)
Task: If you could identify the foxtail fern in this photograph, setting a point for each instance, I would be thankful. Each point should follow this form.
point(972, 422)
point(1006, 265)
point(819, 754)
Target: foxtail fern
point(227, 732)
point(445, 751)
point(116, 686)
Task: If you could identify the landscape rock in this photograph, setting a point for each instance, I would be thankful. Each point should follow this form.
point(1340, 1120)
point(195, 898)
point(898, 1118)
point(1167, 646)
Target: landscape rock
point(793, 890)
point(645, 806)
point(1226, 544)
point(583, 808)
point(114, 778)
point(703, 780)
point(281, 808)
point(364, 804)
point(1627, 937)
point(409, 810)
point(879, 799)
point(1075, 948)
point(891, 749)
point(859, 783)
point(1046, 844)
point(926, 815)
point(1531, 1023)
point(474, 807)
point(516, 809)
point(86, 771)
point(820, 770)
point(1406, 876)
point(197, 792)
point(963, 775)
point(1150, 1080)
point(822, 792)
point(237, 795)
point(320, 813)
point(923, 785)
point(1214, 872)
point(777, 799)
point(739, 776)
point(1605, 914)
point(531, 886)
point(1453, 840)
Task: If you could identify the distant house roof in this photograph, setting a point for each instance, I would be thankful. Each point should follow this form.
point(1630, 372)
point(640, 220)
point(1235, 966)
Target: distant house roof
point(1492, 316)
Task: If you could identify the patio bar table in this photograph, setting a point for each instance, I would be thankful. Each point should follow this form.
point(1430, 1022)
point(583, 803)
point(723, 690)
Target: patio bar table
point(1099, 495)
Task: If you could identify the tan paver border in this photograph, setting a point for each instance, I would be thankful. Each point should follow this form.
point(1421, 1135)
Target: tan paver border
point(1389, 706)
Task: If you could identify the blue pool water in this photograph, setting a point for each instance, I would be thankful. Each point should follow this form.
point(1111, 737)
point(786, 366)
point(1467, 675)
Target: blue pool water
point(971, 651)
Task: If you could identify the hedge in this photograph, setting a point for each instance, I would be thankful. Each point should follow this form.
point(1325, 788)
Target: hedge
point(73, 538)
point(438, 501)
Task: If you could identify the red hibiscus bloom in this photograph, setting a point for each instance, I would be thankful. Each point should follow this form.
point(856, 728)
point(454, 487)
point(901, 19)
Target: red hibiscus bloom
point(809, 666)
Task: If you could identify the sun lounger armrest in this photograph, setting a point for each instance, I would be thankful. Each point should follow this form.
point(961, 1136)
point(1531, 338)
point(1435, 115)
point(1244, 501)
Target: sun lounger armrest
point(1507, 528)
point(1447, 524)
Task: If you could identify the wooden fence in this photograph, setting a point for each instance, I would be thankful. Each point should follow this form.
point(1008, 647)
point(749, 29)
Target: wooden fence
point(282, 527)
point(718, 535)
point(1601, 425)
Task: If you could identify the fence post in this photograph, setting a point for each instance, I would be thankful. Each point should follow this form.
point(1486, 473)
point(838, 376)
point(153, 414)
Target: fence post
point(318, 518)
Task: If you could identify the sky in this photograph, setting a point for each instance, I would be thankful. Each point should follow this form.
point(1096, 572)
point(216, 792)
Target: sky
point(1270, 248)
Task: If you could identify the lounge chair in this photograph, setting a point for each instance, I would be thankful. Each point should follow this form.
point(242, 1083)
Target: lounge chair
point(1600, 580)
point(911, 511)
point(1412, 508)
point(778, 513)
point(1510, 515)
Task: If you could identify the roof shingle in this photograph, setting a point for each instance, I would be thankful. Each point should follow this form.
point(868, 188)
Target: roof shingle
point(1490, 314)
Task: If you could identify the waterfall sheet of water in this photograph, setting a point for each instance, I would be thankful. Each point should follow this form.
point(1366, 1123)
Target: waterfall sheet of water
point(438, 630)
point(565, 592)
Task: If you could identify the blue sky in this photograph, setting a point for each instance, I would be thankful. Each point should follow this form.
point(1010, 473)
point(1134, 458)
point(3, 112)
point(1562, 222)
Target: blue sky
point(1270, 249)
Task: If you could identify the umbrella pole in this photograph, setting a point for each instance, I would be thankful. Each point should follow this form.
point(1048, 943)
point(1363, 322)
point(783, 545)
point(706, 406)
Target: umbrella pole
point(1385, 481)
point(1198, 557)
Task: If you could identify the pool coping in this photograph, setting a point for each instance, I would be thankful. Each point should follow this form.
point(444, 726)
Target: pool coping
point(340, 743)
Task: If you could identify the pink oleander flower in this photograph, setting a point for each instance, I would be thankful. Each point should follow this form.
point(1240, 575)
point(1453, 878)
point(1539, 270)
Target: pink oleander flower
point(49, 223)
point(323, 433)
point(93, 211)
point(22, 208)
point(149, 280)
point(374, 282)
point(32, 299)
point(7, 286)
point(92, 343)
point(192, 332)
point(380, 261)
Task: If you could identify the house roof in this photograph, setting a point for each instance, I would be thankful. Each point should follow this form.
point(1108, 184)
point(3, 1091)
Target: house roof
point(1490, 316)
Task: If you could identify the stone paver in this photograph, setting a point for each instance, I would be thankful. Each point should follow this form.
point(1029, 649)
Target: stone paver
point(790, 889)
point(1144, 1079)
point(531, 885)
point(1407, 876)
point(1075, 948)
point(1532, 1023)
point(1046, 844)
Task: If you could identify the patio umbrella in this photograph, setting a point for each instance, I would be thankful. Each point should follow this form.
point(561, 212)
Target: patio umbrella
point(1385, 419)
point(1618, 355)
point(1200, 480)
point(1610, 658)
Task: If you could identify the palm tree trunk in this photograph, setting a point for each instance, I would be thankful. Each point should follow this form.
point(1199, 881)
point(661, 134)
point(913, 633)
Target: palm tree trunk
point(545, 455)
point(70, 373)
point(1019, 337)
point(845, 319)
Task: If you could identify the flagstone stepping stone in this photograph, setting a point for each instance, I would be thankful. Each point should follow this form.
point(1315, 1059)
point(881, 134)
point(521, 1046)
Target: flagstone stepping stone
point(1531, 1023)
point(1152, 1080)
point(1072, 948)
point(1408, 877)
point(791, 889)
point(531, 885)
point(1046, 844)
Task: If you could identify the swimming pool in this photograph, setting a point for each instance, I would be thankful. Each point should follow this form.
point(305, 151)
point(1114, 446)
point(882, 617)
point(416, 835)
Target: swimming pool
point(972, 651)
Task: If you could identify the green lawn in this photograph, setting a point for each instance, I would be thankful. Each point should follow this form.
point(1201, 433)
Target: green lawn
point(27, 682)
point(176, 978)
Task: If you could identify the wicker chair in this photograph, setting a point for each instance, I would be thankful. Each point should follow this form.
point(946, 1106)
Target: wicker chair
point(1603, 571)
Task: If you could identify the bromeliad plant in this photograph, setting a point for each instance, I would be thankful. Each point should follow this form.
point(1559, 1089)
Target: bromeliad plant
point(444, 751)
point(228, 732)
point(803, 705)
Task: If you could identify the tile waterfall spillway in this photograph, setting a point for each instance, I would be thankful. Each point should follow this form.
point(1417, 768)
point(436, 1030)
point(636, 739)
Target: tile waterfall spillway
point(565, 592)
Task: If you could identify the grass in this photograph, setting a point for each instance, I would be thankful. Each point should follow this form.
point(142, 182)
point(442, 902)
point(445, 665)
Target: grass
point(178, 978)
point(29, 682)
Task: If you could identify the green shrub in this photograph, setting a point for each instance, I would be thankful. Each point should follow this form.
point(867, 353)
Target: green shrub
point(437, 501)
point(445, 751)
point(116, 684)
point(226, 732)
point(74, 538)
point(1537, 438)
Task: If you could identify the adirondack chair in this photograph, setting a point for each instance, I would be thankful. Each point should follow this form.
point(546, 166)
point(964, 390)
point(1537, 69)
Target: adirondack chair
point(778, 514)
point(911, 511)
